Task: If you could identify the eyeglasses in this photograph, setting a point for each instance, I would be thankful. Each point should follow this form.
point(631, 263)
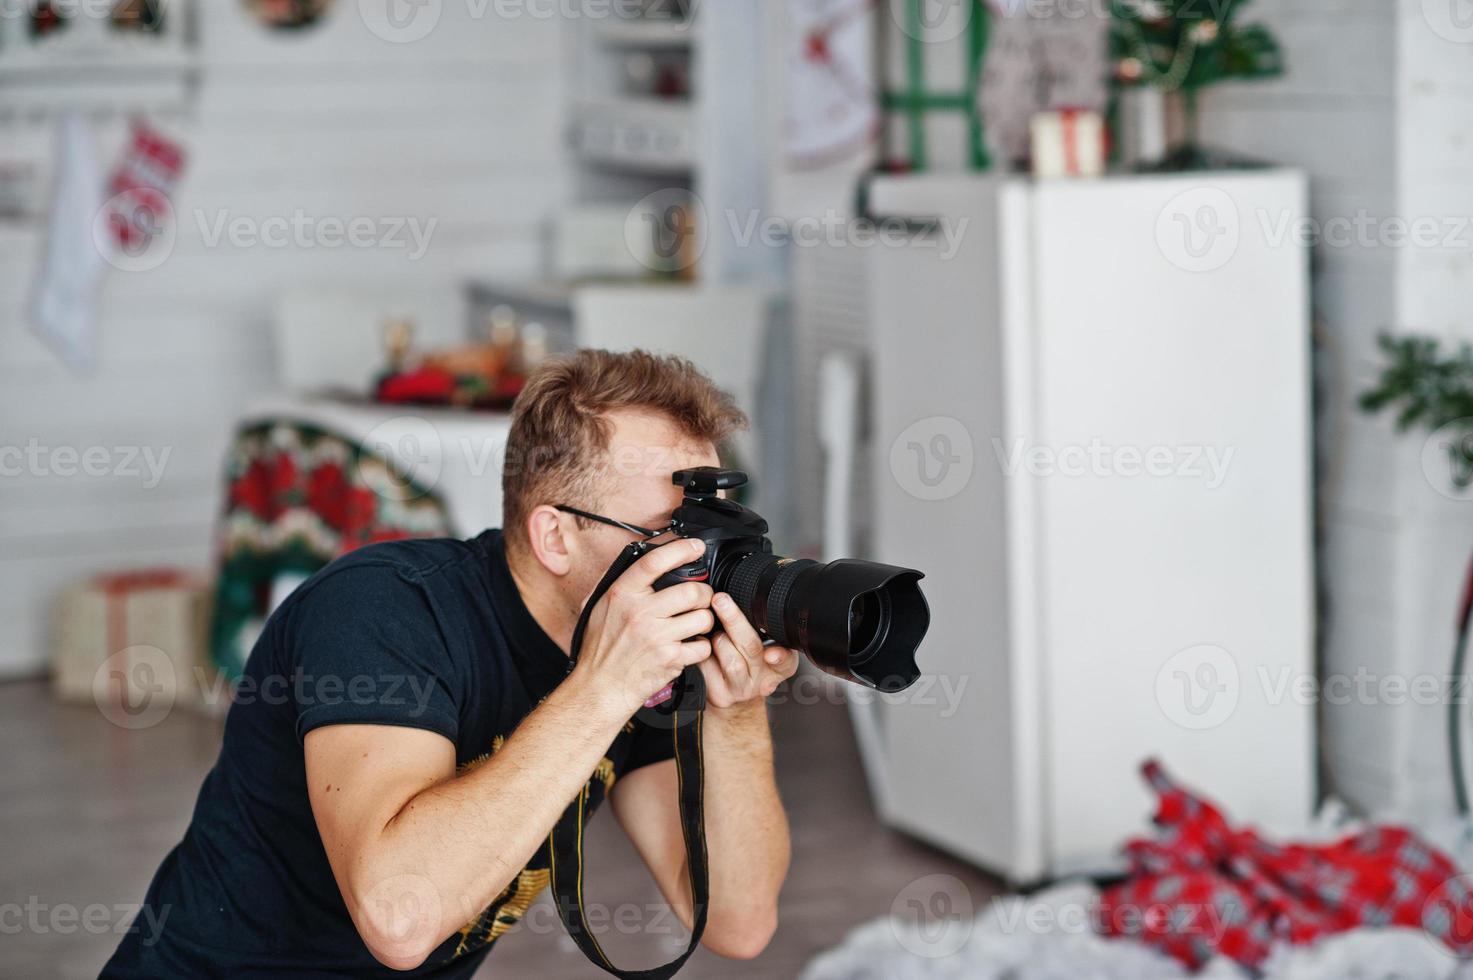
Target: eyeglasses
point(643, 532)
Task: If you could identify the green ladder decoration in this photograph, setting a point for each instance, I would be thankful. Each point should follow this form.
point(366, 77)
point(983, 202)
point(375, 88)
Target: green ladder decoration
point(914, 101)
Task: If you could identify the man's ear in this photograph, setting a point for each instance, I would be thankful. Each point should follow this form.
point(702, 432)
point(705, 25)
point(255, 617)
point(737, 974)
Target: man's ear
point(547, 530)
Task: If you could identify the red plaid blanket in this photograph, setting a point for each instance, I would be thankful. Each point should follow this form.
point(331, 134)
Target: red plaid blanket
point(1202, 888)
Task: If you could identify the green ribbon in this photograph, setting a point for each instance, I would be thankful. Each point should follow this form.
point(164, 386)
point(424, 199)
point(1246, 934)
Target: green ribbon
point(915, 101)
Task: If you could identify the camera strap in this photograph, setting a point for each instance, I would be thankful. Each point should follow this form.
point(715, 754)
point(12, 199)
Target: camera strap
point(682, 713)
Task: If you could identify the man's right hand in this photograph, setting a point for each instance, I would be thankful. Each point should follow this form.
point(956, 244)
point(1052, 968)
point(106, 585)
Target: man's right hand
point(638, 638)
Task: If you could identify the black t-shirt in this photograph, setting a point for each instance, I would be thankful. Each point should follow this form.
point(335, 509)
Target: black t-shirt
point(428, 634)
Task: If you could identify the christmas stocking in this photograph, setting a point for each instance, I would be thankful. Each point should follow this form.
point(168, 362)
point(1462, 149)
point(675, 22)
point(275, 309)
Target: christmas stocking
point(65, 301)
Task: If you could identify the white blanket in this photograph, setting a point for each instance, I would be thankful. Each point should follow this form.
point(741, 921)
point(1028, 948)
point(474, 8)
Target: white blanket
point(1046, 936)
point(1042, 938)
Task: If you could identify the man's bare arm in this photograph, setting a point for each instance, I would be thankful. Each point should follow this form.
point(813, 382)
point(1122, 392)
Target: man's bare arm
point(746, 830)
point(416, 850)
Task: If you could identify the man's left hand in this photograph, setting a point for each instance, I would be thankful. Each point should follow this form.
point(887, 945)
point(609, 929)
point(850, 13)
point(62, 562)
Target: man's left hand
point(740, 667)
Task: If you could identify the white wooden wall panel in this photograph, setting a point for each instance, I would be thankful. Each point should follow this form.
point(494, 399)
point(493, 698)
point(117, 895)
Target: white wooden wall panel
point(463, 126)
point(1434, 538)
point(1334, 114)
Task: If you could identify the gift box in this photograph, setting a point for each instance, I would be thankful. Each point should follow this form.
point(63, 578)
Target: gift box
point(134, 643)
point(930, 64)
point(1068, 143)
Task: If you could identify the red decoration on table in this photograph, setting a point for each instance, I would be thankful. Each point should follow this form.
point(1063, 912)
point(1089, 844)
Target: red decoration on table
point(1201, 888)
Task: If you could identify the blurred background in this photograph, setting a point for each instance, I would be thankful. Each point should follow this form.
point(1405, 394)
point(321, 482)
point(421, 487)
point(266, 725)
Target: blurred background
point(1138, 325)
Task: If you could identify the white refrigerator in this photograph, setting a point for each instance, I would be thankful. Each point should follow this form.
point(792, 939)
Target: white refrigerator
point(1091, 417)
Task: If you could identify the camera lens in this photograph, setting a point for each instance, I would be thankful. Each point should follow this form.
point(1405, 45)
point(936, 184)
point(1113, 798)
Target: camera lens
point(864, 622)
point(858, 620)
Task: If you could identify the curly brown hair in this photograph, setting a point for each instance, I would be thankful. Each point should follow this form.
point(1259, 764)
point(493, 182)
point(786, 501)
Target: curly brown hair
point(560, 427)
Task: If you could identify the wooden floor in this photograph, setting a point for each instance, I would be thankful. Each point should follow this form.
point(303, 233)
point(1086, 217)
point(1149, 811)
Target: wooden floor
point(88, 810)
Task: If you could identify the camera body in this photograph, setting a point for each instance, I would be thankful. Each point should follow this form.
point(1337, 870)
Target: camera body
point(730, 530)
point(858, 620)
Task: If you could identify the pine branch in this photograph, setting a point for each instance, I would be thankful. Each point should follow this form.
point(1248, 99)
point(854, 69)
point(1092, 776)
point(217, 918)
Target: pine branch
point(1428, 390)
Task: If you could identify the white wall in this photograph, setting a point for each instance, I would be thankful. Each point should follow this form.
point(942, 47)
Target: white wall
point(1334, 114)
point(1376, 108)
point(463, 126)
point(1433, 531)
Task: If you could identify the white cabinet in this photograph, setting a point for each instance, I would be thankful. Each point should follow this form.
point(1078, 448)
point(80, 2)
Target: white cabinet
point(1092, 433)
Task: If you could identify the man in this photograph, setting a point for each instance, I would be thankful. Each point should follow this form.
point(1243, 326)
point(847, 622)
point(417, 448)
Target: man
point(389, 808)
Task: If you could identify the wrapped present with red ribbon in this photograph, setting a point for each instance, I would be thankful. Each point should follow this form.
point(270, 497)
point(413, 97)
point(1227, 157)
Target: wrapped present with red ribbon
point(1068, 143)
point(124, 638)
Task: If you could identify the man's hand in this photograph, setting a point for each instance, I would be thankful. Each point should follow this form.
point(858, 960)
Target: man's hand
point(742, 668)
point(639, 639)
point(746, 830)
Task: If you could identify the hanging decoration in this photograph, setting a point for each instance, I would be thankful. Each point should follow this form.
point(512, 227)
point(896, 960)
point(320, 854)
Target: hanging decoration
point(832, 111)
point(288, 15)
point(1179, 47)
point(46, 19)
point(141, 187)
point(931, 72)
point(124, 222)
point(64, 306)
point(138, 16)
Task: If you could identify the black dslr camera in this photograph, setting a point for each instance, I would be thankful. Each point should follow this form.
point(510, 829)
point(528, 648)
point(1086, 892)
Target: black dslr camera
point(858, 620)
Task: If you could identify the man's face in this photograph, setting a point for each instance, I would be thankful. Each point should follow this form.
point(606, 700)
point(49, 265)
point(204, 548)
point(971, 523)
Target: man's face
point(634, 487)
